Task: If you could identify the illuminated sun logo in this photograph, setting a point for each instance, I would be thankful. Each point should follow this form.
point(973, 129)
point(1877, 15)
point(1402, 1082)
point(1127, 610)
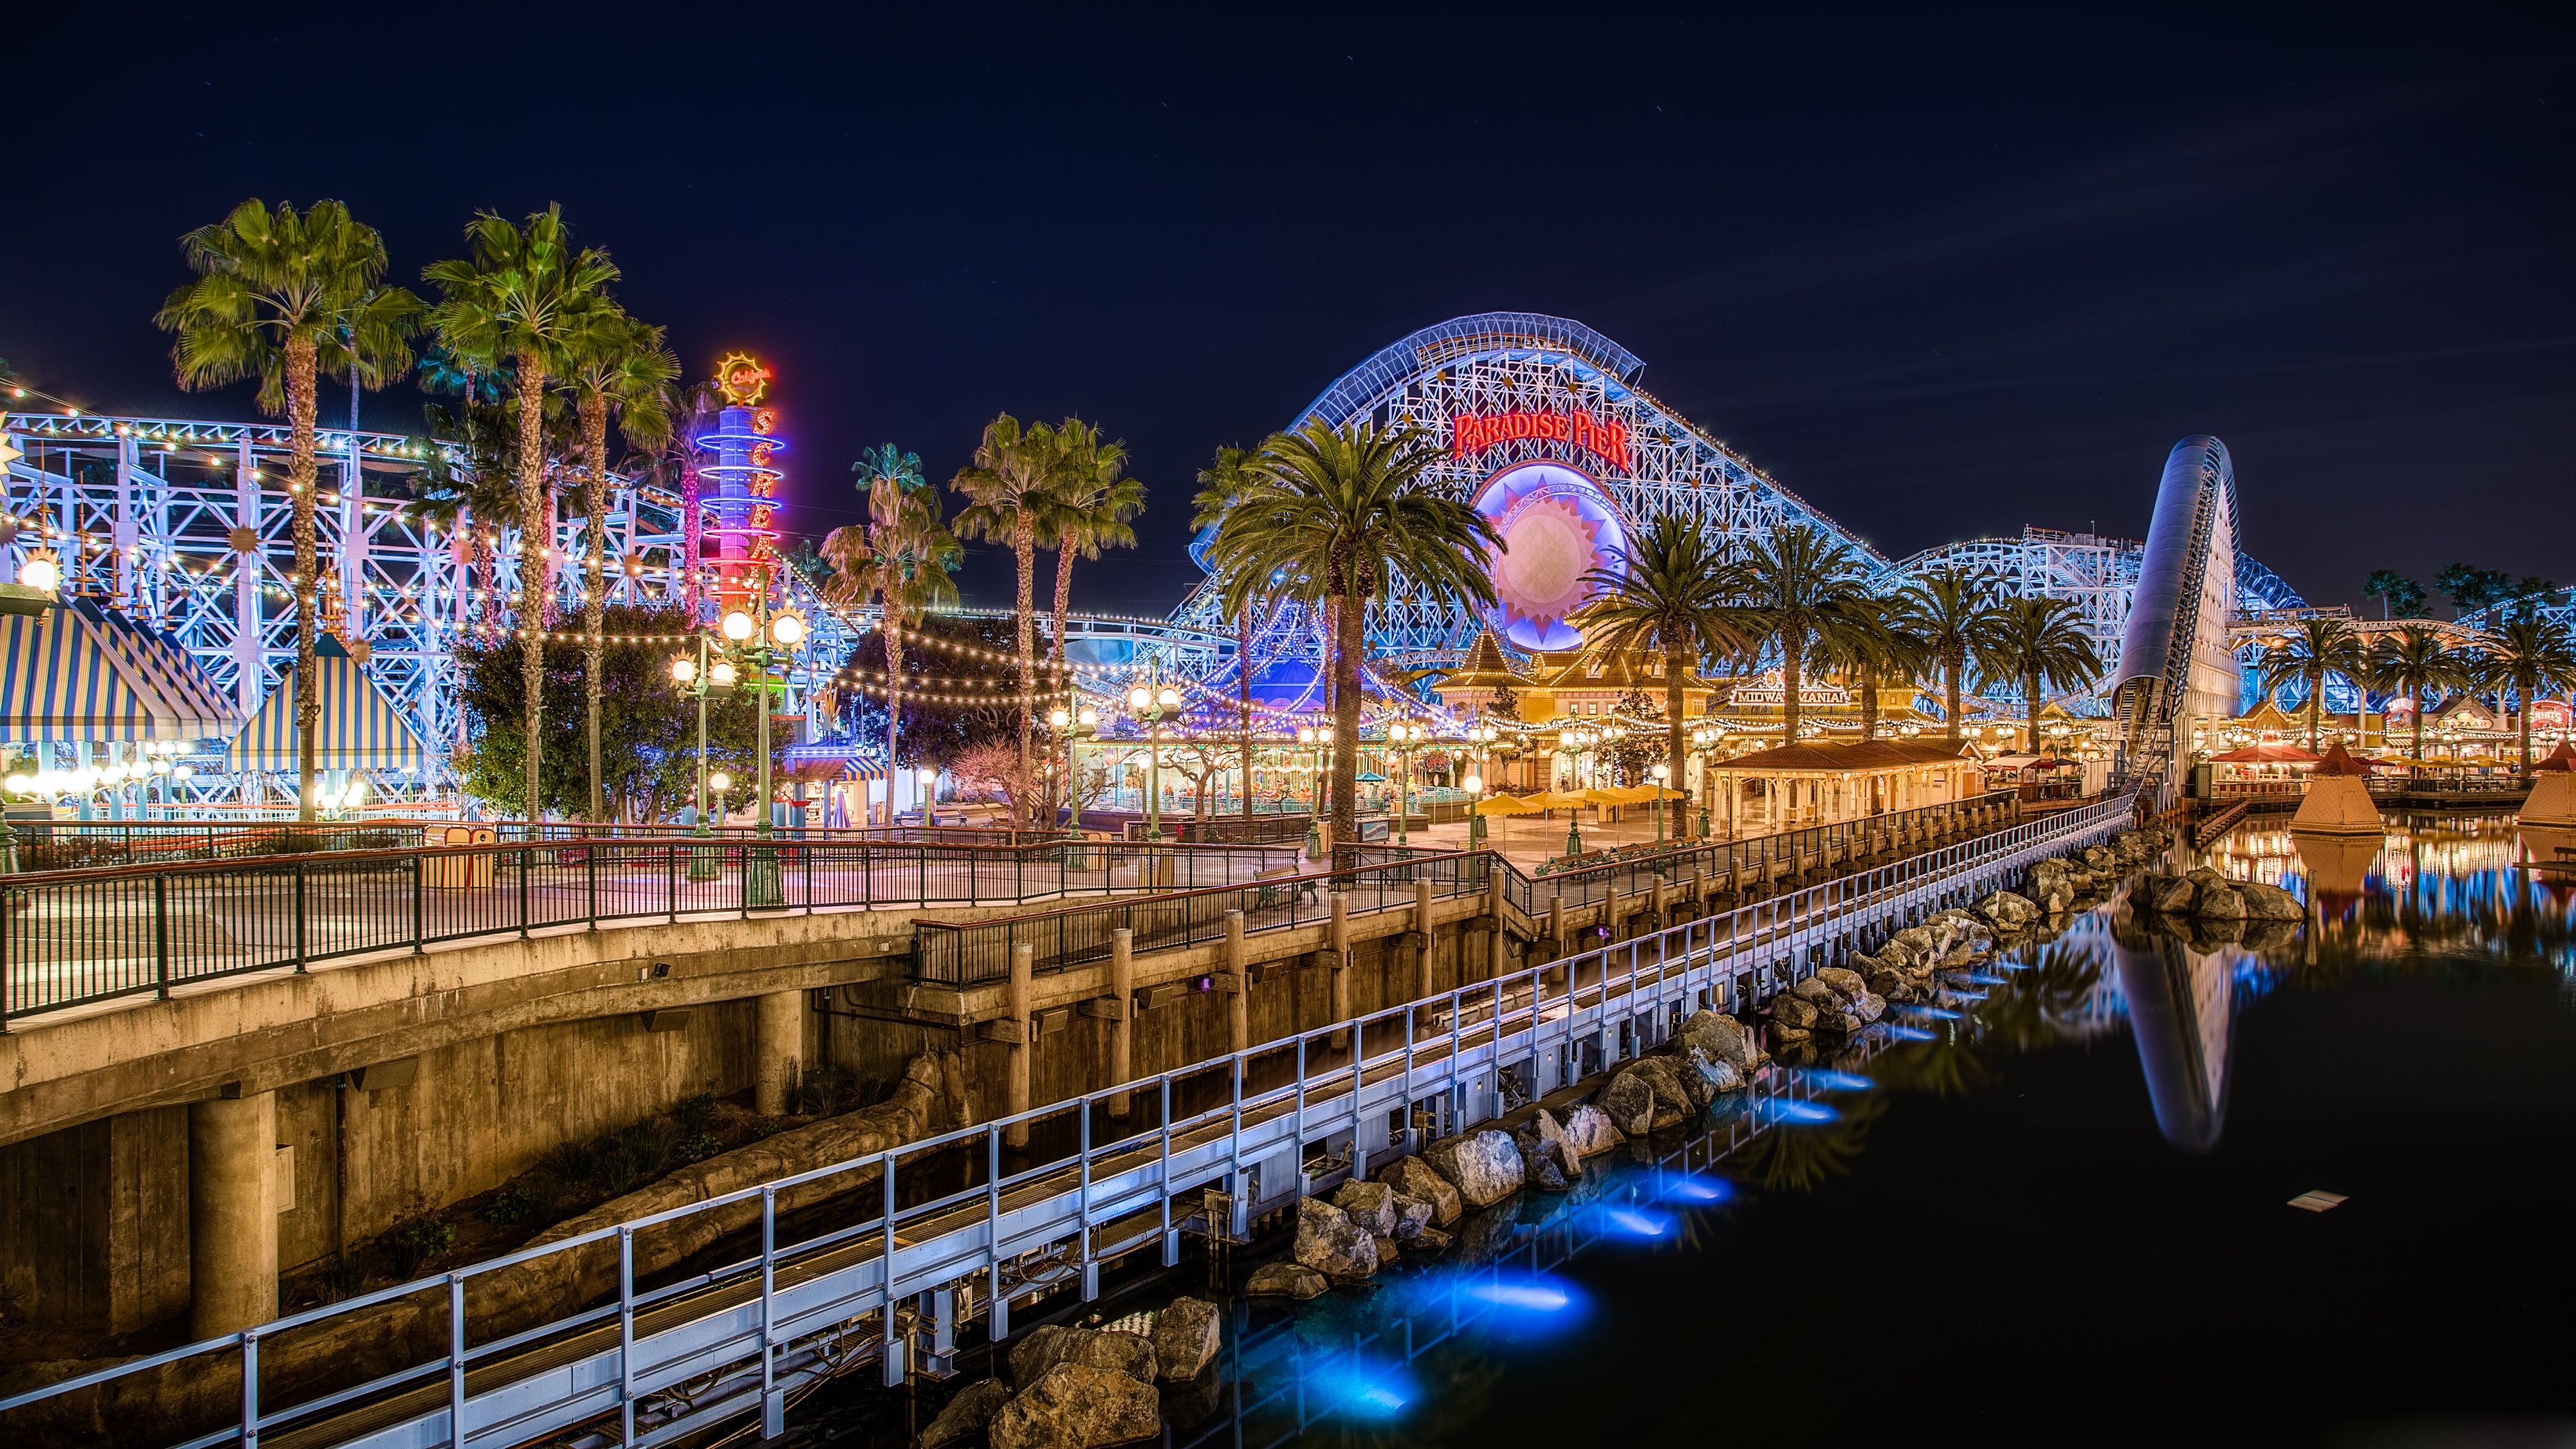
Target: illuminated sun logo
point(1538, 575)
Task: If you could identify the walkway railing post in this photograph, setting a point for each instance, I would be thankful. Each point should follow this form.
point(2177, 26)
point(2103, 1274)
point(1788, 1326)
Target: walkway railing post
point(299, 915)
point(161, 936)
point(456, 1360)
point(590, 879)
point(525, 866)
point(419, 906)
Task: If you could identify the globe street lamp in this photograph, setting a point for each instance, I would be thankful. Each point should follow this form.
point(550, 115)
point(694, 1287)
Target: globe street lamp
point(1662, 772)
point(1704, 742)
point(1073, 722)
point(1149, 704)
point(1474, 785)
point(1404, 739)
point(1573, 744)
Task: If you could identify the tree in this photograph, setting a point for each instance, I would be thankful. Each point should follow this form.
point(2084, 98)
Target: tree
point(280, 297)
point(1220, 484)
point(2312, 649)
point(1093, 503)
point(1949, 612)
point(2399, 596)
point(1671, 592)
point(993, 771)
point(523, 295)
point(965, 702)
point(2471, 589)
point(1010, 489)
point(901, 559)
point(1801, 583)
point(2417, 662)
point(2532, 655)
point(465, 490)
point(1331, 515)
point(619, 369)
point(2042, 643)
point(648, 744)
point(1871, 639)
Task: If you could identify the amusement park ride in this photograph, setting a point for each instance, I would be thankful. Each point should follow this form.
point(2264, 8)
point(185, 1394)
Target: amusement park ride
point(182, 528)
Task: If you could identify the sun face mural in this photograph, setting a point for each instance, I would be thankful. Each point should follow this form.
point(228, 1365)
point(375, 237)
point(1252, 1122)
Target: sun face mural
point(1556, 527)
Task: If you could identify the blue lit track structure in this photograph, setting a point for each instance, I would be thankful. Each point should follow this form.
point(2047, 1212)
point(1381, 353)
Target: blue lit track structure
point(1511, 365)
point(2176, 656)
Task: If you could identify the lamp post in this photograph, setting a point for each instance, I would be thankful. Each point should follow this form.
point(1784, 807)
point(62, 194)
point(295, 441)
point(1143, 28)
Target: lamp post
point(786, 631)
point(1073, 721)
point(697, 676)
point(1404, 739)
point(1149, 703)
point(1662, 772)
point(1482, 738)
point(1572, 744)
point(1704, 741)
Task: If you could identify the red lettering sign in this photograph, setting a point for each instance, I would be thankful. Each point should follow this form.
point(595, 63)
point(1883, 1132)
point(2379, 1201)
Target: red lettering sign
point(1604, 438)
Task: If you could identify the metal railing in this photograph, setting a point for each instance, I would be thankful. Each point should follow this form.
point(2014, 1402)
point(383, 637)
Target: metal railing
point(660, 1352)
point(77, 936)
point(45, 845)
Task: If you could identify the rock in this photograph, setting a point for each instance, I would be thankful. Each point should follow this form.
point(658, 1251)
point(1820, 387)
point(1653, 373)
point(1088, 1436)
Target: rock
point(1725, 1038)
point(1386, 1252)
point(1542, 1170)
point(1560, 1141)
point(1412, 1218)
point(1845, 984)
point(2270, 935)
point(2009, 912)
point(1891, 985)
point(2169, 894)
point(967, 1413)
point(1483, 1166)
point(2219, 903)
point(1917, 941)
point(1589, 1129)
point(1370, 1204)
point(1415, 1178)
point(1794, 1012)
point(1044, 1348)
point(1719, 1076)
point(2269, 902)
point(2100, 857)
point(1677, 1094)
point(1285, 1280)
point(1187, 1335)
point(1431, 1240)
point(1869, 1008)
point(1329, 1242)
point(1077, 1407)
point(1629, 1103)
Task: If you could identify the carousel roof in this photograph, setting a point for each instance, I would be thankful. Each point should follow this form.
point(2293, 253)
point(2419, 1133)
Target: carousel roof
point(1839, 756)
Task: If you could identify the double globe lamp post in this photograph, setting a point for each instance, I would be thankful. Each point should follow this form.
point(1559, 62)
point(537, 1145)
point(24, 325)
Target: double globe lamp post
point(1150, 704)
point(763, 631)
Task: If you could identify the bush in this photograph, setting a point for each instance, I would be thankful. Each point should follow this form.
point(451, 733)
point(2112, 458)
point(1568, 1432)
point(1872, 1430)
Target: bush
point(696, 1148)
point(571, 1163)
point(416, 1240)
point(633, 1155)
point(826, 1092)
point(697, 1113)
point(514, 1206)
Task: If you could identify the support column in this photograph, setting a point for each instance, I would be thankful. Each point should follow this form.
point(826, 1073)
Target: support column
point(1494, 957)
point(1341, 956)
point(1238, 1007)
point(232, 1213)
point(1122, 1021)
point(1661, 904)
point(1422, 951)
point(1022, 1041)
point(778, 1049)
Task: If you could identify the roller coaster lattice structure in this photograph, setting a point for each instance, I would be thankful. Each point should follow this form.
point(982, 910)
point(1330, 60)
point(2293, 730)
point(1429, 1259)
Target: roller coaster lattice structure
point(185, 526)
point(1511, 362)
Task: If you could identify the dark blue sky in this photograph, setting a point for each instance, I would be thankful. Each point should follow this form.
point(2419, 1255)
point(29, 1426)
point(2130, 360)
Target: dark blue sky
point(1943, 274)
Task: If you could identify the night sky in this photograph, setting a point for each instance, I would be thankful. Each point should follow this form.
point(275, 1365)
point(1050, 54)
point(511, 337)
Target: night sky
point(1943, 277)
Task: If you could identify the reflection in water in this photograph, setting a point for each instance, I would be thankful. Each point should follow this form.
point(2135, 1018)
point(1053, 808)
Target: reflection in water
point(2182, 1009)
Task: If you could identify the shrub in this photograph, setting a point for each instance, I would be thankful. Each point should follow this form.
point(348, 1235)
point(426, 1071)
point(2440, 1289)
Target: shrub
point(697, 1113)
point(417, 1239)
point(634, 1154)
point(696, 1148)
point(515, 1205)
point(571, 1163)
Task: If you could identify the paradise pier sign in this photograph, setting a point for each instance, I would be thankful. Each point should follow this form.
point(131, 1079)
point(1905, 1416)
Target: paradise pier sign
point(1474, 433)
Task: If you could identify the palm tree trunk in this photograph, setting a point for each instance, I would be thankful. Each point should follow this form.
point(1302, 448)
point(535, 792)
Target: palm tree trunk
point(1243, 676)
point(894, 710)
point(301, 476)
point(532, 565)
point(2419, 732)
point(1792, 676)
point(1024, 553)
point(2316, 707)
point(2030, 687)
point(1674, 755)
point(1953, 667)
point(1063, 599)
point(2522, 693)
point(1349, 610)
point(594, 594)
point(1869, 699)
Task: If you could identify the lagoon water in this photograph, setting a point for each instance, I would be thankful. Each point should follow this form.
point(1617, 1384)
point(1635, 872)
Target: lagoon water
point(2058, 1209)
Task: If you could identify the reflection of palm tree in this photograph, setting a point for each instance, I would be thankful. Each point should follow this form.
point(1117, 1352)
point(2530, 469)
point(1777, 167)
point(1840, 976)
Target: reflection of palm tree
point(1802, 1159)
point(1949, 1065)
point(2026, 1012)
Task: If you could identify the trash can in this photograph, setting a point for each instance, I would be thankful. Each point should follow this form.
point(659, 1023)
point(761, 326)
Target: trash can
point(460, 872)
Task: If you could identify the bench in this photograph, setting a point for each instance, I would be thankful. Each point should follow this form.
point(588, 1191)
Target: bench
point(1272, 892)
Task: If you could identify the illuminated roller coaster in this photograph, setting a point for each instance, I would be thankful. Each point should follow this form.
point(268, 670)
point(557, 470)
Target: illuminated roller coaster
point(1548, 432)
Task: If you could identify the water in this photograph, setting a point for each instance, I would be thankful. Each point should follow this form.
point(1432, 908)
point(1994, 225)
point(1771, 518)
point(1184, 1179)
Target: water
point(2060, 1214)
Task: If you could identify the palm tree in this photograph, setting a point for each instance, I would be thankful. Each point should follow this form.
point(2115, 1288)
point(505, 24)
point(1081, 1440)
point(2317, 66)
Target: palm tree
point(620, 369)
point(1671, 591)
point(1801, 583)
point(1010, 490)
point(2042, 644)
point(280, 297)
point(1871, 639)
point(2532, 654)
point(1093, 504)
point(901, 558)
point(2417, 662)
point(1949, 612)
point(523, 296)
point(2312, 649)
point(465, 488)
point(1221, 483)
point(1330, 516)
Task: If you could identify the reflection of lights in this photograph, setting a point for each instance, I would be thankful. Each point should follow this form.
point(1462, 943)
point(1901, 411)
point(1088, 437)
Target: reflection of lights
point(1805, 1114)
point(1929, 1013)
point(1897, 1031)
point(1363, 1387)
point(1692, 1188)
point(1833, 1081)
point(1629, 1222)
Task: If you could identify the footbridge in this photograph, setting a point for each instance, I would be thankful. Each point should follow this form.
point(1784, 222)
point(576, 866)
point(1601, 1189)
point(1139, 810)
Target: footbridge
point(883, 1260)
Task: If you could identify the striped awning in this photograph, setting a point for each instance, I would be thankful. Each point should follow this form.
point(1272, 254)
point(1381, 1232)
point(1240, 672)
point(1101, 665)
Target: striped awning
point(202, 707)
point(69, 676)
point(863, 770)
point(852, 757)
point(360, 728)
